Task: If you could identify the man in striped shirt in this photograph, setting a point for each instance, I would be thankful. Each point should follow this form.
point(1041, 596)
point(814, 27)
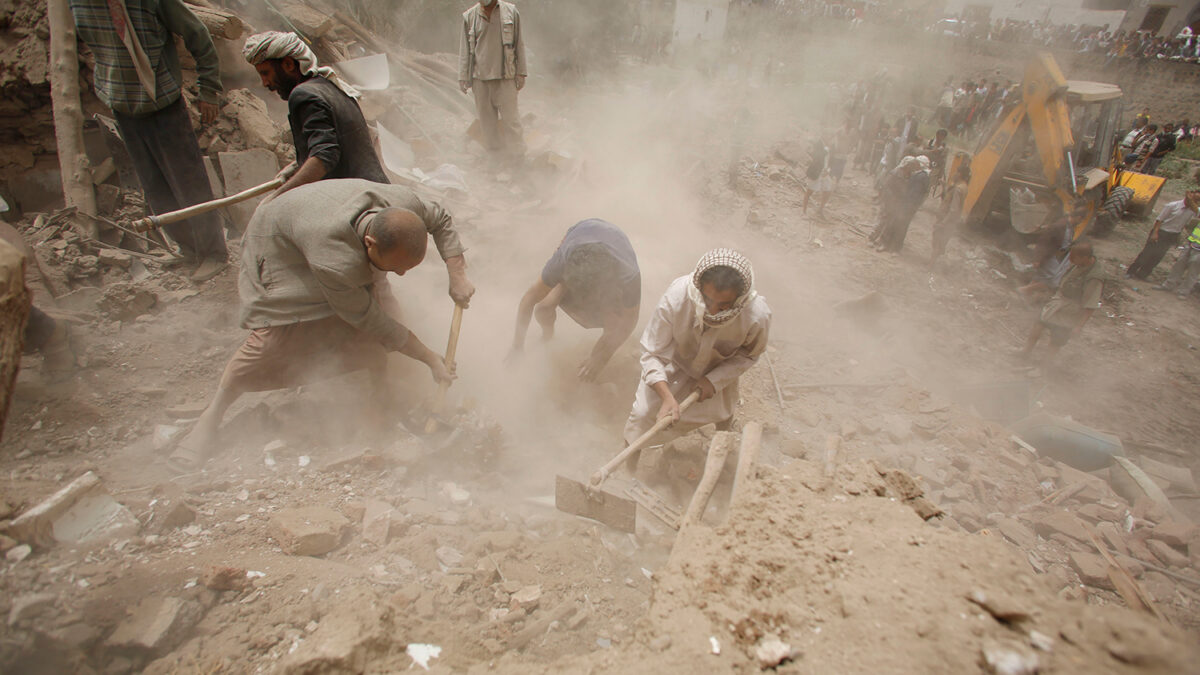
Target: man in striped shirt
point(137, 74)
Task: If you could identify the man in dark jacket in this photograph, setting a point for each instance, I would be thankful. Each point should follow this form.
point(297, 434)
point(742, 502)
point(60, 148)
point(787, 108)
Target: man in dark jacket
point(328, 129)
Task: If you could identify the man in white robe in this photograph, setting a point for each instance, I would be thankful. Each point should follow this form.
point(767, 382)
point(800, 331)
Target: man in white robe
point(709, 328)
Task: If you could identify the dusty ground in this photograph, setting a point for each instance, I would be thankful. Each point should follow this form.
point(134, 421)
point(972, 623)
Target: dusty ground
point(850, 579)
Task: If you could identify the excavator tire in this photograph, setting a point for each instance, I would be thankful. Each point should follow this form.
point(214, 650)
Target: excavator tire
point(1112, 210)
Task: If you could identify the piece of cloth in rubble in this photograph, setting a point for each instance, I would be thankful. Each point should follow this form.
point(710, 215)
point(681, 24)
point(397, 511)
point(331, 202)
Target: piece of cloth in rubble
point(678, 348)
point(722, 257)
point(303, 256)
point(618, 279)
point(329, 125)
point(273, 45)
point(155, 23)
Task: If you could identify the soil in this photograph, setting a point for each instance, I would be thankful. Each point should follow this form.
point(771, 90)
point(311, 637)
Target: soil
point(826, 554)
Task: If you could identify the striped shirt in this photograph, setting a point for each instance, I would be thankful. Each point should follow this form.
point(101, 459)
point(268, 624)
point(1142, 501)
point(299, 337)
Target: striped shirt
point(155, 22)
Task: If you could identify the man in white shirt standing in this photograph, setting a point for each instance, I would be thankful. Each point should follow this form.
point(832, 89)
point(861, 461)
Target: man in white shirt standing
point(491, 61)
point(1174, 218)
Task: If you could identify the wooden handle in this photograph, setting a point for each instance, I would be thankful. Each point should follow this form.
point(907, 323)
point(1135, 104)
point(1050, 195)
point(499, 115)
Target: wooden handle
point(599, 476)
point(451, 348)
point(718, 450)
point(153, 222)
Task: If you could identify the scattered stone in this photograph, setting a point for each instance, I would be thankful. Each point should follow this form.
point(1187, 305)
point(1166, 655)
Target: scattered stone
point(81, 512)
point(527, 598)
point(1091, 568)
point(18, 553)
point(156, 625)
point(1112, 536)
point(1175, 533)
point(1009, 658)
point(456, 494)
point(1041, 641)
point(308, 530)
point(1060, 522)
point(6, 543)
point(113, 258)
point(1002, 607)
point(448, 556)
point(175, 514)
point(1017, 533)
point(29, 606)
point(126, 301)
point(1166, 554)
point(661, 643)
point(771, 651)
point(164, 436)
point(377, 521)
point(221, 578)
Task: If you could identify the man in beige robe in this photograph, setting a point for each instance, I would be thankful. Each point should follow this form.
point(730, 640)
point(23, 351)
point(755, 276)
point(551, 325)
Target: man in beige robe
point(709, 328)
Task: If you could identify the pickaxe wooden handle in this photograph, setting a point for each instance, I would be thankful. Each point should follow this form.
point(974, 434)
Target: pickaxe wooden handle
point(663, 423)
point(153, 222)
point(451, 347)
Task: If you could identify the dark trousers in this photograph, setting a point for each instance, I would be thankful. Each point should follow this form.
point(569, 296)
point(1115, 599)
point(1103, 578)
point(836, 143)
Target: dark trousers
point(167, 160)
point(38, 330)
point(1152, 254)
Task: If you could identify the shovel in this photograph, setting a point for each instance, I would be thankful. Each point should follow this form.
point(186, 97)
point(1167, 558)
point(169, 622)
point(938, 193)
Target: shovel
point(589, 501)
point(153, 222)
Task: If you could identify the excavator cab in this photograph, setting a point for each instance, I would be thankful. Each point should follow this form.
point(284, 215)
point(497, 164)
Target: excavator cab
point(1055, 153)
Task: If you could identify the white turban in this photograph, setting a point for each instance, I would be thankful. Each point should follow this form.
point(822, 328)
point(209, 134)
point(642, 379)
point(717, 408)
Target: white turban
point(722, 257)
point(273, 45)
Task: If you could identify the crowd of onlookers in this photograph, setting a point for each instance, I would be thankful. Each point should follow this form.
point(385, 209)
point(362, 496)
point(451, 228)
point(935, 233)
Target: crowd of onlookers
point(1094, 39)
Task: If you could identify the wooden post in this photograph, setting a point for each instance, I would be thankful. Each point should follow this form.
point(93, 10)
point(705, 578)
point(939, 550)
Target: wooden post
point(14, 312)
point(68, 115)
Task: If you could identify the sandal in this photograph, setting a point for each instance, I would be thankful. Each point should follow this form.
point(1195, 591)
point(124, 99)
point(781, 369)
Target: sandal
point(187, 457)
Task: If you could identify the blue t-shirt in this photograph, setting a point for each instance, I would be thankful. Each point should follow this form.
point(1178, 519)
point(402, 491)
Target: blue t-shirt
point(619, 273)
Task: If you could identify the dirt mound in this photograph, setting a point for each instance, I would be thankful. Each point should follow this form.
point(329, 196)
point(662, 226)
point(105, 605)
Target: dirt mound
point(820, 570)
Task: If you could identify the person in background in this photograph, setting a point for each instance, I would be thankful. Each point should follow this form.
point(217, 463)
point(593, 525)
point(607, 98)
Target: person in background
point(1174, 219)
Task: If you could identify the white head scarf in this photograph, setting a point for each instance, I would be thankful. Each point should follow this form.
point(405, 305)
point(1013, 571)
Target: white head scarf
point(273, 45)
point(722, 257)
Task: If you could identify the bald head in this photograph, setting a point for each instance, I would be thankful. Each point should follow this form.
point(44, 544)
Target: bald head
point(396, 240)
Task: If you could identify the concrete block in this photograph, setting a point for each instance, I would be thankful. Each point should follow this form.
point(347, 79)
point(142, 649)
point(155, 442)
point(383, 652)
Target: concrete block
point(308, 530)
point(1166, 554)
point(29, 606)
point(1091, 568)
point(1174, 533)
point(377, 521)
point(1060, 522)
point(156, 625)
point(80, 513)
point(242, 171)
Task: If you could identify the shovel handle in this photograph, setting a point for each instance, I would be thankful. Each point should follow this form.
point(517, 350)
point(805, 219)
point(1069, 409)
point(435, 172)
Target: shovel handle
point(153, 222)
point(451, 348)
point(662, 423)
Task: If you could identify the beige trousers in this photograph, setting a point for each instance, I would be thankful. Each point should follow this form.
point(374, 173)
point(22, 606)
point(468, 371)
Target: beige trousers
point(499, 118)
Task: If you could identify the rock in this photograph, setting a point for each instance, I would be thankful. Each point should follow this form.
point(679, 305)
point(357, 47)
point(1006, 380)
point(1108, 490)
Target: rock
point(898, 428)
point(377, 521)
point(308, 530)
point(456, 495)
point(252, 118)
point(1017, 533)
point(6, 543)
point(448, 556)
point(221, 578)
point(1060, 522)
point(1166, 554)
point(771, 651)
point(356, 629)
point(1009, 658)
point(156, 625)
point(1001, 606)
point(126, 301)
point(1177, 477)
point(29, 606)
point(661, 643)
point(527, 598)
point(1091, 568)
point(114, 258)
point(174, 514)
point(81, 512)
point(1113, 537)
point(344, 460)
point(18, 553)
point(164, 436)
point(244, 170)
point(793, 447)
point(1175, 533)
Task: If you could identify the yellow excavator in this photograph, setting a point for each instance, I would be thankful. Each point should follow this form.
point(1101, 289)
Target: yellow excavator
point(1058, 147)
